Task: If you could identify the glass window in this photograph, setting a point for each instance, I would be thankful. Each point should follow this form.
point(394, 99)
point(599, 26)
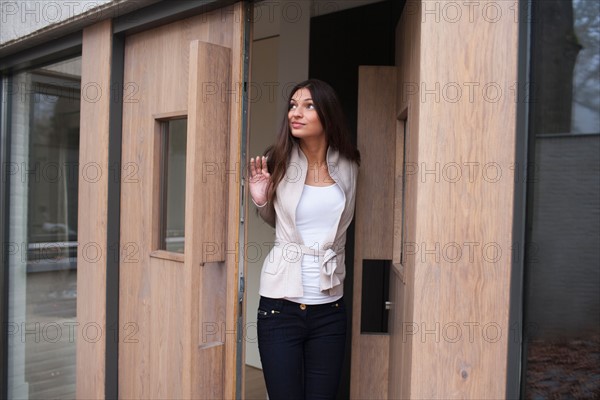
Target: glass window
point(565, 64)
point(42, 184)
point(562, 265)
point(174, 137)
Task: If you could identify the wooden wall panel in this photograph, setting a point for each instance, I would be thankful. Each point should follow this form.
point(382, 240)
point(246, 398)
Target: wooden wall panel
point(464, 222)
point(376, 130)
point(156, 330)
point(208, 134)
point(374, 365)
point(402, 294)
point(206, 218)
point(92, 212)
point(210, 386)
point(398, 368)
point(374, 206)
point(232, 356)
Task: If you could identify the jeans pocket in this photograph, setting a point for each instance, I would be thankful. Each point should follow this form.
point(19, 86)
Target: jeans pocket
point(269, 308)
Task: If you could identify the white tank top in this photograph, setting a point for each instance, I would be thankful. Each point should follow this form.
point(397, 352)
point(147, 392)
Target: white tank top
point(318, 211)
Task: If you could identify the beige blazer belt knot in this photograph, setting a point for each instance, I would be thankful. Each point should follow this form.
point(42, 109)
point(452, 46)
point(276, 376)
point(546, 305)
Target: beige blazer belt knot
point(328, 257)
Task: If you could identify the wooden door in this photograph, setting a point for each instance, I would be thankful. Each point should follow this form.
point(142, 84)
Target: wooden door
point(182, 115)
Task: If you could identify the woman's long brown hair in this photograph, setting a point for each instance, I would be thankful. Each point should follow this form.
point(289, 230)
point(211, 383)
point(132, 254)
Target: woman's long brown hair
point(334, 124)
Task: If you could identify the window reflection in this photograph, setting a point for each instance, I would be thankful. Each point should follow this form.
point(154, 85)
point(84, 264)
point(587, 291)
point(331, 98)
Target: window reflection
point(586, 74)
point(562, 266)
point(42, 261)
point(174, 137)
point(565, 66)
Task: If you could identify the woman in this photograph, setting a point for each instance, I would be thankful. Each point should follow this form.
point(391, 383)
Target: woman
point(304, 186)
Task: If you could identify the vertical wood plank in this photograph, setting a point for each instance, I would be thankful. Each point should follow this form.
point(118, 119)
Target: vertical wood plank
point(374, 367)
point(235, 168)
point(397, 345)
point(171, 300)
point(464, 132)
point(207, 136)
point(206, 211)
point(374, 206)
point(209, 384)
point(408, 63)
point(376, 132)
point(92, 212)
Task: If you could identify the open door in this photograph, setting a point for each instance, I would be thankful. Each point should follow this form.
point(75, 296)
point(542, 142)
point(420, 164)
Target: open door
point(180, 208)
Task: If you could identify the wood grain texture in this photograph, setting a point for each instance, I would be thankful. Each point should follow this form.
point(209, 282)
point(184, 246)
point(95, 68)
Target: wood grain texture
point(374, 360)
point(235, 168)
point(397, 342)
point(374, 206)
point(184, 313)
point(208, 132)
point(376, 129)
point(468, 289)
point(209, 384)
point(92, 212)
point(408, 63)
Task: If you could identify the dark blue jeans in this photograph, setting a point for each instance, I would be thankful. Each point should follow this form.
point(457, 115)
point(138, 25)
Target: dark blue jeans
point(301, 348)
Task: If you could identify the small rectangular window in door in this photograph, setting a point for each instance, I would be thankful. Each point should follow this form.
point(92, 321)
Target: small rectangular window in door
point(172, 184)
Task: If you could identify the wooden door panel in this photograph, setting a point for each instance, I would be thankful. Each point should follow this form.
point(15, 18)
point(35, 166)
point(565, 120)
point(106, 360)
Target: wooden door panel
point(208, 131)
point(397, 335)
point(182, 308)
point(206, 215)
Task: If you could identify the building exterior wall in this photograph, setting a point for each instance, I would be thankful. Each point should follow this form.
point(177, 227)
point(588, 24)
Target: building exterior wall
point(22, 17)
point(464, 213)
point(567, 196)
point(473, 295)
point(38, 15)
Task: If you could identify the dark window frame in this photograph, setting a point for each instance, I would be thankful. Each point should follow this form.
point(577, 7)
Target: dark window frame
point(523, 157)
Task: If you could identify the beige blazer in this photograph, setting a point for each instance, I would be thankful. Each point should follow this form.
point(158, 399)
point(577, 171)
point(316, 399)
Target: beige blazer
point(281, 274)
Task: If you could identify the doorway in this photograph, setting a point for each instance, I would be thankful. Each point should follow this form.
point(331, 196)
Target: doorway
point(337, 37)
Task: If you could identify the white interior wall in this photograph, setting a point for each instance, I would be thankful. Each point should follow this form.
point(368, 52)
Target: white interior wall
point(262, 133)
point(279, 61)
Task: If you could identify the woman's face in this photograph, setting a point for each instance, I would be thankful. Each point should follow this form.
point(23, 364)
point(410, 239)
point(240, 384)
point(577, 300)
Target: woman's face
point(302, 116)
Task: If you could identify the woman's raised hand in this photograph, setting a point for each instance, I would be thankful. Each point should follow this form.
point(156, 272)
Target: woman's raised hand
point(259, 179)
